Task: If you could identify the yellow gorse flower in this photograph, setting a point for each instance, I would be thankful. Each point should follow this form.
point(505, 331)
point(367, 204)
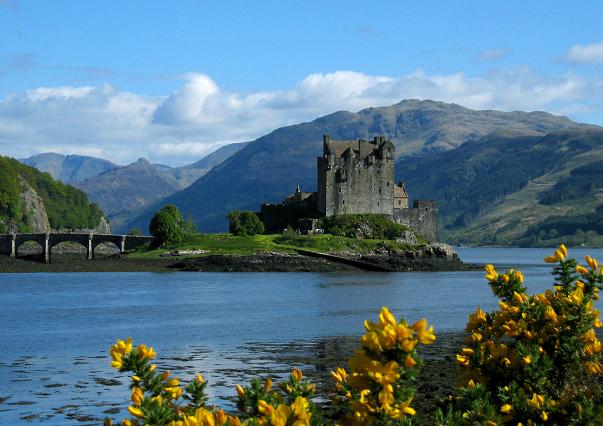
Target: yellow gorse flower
point(491, 274)
point(591, 262)
point(137, 396)
point(119, 350)
point(559, 255)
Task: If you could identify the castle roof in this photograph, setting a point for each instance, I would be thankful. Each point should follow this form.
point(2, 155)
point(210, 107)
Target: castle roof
point(360, 148)
point(400, 191)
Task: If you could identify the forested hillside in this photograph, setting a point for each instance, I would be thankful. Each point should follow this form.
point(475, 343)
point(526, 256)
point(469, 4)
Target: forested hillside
point(520, 190)
point(65, 206)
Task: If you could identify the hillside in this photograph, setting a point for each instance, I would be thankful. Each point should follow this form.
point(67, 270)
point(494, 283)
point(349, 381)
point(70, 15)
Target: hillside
point(186, 175)
point(70, 168)
point(520, 190)
point(32, 201)
point(268, 168)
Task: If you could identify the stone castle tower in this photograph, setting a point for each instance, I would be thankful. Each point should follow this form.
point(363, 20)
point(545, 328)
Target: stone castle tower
point(358, 177)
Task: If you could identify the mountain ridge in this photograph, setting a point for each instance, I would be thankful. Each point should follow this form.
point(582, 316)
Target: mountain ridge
point(268, 168)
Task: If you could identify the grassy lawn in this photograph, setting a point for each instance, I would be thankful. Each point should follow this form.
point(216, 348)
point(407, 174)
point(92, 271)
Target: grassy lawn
point(230, 244)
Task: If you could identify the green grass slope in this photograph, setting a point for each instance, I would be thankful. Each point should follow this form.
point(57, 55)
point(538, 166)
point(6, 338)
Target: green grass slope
point(66, 206)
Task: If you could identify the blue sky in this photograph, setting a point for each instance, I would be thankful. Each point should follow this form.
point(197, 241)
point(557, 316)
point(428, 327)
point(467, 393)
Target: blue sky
point(173, 80)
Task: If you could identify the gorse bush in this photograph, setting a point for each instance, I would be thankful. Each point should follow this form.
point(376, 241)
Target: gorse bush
point(537, 359)
point(378, 389)
point(534, 361)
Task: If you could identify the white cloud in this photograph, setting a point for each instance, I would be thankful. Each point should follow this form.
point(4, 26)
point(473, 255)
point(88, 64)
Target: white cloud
point(587, 54)
point(199, 116)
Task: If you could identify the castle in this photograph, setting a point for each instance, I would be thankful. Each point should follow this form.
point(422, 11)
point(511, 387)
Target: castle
point(353, 177)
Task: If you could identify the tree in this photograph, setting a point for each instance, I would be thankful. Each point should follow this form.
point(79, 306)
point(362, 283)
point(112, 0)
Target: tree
point(244, 223)
point(167, 226)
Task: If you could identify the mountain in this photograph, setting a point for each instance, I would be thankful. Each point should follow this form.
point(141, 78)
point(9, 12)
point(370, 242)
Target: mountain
point(218, 156)
point(519, 190)
point(188, 174)
point(121, 190)
point(70, 168)
point(270, 167)
point(32, 201)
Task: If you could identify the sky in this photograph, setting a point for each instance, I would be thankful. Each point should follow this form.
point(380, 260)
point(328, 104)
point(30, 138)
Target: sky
point(172, 81)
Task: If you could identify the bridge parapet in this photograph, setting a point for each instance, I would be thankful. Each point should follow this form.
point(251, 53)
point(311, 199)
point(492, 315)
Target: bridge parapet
point(10, 243)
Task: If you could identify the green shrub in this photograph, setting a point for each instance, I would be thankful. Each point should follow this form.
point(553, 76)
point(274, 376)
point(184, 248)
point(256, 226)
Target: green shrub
point(168, 227)
point(244, 223)
point(365, 226)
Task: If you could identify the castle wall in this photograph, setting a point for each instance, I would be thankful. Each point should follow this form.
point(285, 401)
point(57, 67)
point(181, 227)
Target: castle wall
point(422, 217)
point(277, 217)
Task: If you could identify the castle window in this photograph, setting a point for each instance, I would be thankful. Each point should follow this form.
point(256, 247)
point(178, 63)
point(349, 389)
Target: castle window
point(342, 201)
point(379, 190)
point(399, 202)
point(387, 183)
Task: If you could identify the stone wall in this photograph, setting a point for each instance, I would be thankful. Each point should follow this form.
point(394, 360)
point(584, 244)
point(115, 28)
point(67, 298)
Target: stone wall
point(422, 217)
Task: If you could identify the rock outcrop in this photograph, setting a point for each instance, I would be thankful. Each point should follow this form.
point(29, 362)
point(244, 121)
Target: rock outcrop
point(35, 212)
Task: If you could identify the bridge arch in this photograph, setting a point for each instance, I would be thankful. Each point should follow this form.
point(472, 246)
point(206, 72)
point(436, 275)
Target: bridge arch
point(54, 246)
point(20, 243)
point(108, 244)
point(41, 239)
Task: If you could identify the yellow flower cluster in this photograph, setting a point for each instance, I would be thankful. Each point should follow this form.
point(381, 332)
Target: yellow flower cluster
point(373, 387)
point(296, 414)
point(532, 341)
point(205, 417)
point(118, 350)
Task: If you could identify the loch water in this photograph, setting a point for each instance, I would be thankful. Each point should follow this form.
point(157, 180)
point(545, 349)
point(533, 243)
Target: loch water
point(56, 328)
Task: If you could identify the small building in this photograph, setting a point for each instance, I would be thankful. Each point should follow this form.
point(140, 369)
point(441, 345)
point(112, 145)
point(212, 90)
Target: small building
point(353, 177)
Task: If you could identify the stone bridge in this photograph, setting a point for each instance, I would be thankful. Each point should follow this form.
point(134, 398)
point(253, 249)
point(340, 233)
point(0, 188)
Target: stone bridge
point(10, 243)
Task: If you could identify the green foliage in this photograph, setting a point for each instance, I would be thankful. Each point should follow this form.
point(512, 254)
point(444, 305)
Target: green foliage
point(66, 206)
point(244, 223)
point(10, 202)
point(168, 227)
point(364, 226)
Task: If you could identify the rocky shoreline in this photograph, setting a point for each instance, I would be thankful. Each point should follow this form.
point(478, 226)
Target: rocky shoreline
point(430, 258)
